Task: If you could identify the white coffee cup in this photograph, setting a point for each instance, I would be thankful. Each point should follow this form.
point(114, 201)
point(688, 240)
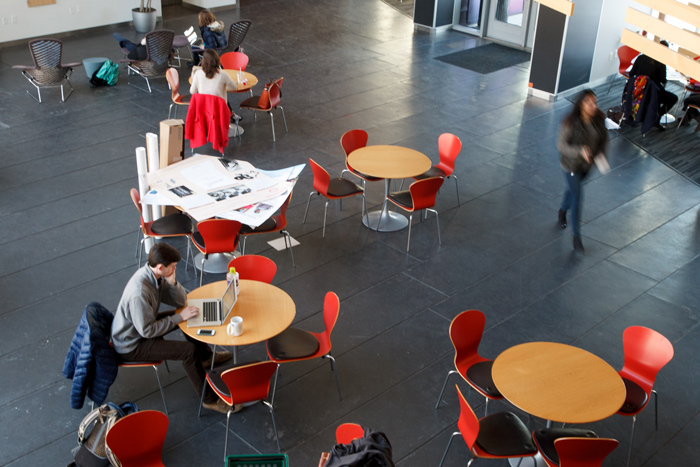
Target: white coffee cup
point(235, 327)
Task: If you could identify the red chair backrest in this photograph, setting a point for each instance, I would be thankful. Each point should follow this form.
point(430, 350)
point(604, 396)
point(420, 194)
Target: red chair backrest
point(136, 198)
point(254, 267)
point(220, 235)
point(271, 95)
point(467, 423)
point(281, 220)
point(353, 139)
point(321, 178)
point(424, 192)
point(625, 54)
point(347, 432)
point(331, 310)
point(449, 147)
point(466, 331)
point(583, 452)
point(249, 383)
point(646, 352)
point(174, 82)
point(137, 439)
point(234, 61)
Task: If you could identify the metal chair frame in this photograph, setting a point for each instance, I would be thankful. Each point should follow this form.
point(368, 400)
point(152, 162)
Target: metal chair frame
point(48, 71)
point(159, 46)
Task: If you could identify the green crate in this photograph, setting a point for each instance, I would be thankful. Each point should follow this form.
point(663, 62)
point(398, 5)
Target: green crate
point(257, 460)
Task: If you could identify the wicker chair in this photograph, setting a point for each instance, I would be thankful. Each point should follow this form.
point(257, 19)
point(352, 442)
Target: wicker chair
point(236, 33)
point(159, 47)
point(48, 71)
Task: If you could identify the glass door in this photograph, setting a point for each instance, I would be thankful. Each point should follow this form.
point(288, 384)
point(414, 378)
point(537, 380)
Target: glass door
point(467, 16)
point(508, 21)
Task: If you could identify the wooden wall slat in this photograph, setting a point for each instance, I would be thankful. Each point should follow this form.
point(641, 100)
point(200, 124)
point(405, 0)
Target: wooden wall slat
point(685, 65)
point(562, 6)
point(684, 38)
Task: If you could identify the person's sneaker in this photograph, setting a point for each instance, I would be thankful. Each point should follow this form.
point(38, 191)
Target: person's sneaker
point(222, 407)
point(221, 357)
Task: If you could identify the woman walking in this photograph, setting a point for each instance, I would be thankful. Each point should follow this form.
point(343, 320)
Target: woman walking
point(582, 138)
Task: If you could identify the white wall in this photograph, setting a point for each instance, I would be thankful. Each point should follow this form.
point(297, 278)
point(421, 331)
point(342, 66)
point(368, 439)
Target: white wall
point(208, 4)
point(612, 21)
point(65, 15)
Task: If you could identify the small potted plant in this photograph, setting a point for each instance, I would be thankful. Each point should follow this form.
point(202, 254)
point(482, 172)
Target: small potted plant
point(144, 17)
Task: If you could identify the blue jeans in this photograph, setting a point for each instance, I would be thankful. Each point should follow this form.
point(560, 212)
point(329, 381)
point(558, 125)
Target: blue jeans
point(573, 196)
point(124, 42)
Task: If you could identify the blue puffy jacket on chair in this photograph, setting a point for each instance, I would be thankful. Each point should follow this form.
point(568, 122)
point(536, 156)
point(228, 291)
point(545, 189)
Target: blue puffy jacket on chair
point(91, 361)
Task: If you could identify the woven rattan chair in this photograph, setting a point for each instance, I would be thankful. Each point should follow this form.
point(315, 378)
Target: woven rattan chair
point(236, 33)
point(48, 71)
point(159, 46)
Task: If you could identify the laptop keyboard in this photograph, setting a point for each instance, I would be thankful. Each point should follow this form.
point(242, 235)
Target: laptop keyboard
point(209, 312)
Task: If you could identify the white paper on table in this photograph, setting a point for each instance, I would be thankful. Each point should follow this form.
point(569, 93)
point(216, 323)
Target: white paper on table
point(195, 201)
point(241, 200)
point(289, 173)
point(155, 197)
point(254, 215)
point(205, 174)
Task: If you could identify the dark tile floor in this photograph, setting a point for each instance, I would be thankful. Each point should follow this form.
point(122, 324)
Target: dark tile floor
point(68, 230)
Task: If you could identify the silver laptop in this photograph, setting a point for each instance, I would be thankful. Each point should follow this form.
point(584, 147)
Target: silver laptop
point(213, 311)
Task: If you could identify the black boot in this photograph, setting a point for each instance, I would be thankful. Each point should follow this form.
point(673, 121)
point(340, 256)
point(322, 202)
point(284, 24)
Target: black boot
point(562, 218)
point(578, 245)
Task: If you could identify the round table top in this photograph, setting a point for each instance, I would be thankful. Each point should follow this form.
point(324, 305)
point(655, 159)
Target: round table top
point(558, 382)
point(266, 311)
point(252, 79)
point(385, 161)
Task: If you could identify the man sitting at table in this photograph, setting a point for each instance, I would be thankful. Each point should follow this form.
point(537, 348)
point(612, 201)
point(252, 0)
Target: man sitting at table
point(138, 328)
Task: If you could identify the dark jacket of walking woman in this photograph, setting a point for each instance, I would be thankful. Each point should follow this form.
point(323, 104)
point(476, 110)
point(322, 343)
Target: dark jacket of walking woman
point(582, 138)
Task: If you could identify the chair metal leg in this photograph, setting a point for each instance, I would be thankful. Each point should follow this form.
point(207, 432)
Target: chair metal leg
point(307, 207)
point(291, 251)
point(456, 187)
point(437, 221)
point(274, 425)
point(410, 221)
point(166, 365)
point(334, 370)
point(228, 420)
point(456, 433)
point(486, 407)
point(656, 410)
point(442, 391)
point(274, 385)
point(162, 396)
point(629, 454)
point(325, 211)
point(201, 273)
point(284, 119)
point(272, 120)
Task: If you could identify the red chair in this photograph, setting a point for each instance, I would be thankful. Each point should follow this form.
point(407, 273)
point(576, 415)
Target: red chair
point(350, 141)
point(420, 195)
point(545, 439)
point(174, 83)
point(215, 236)
point(337, 188)
point(466, 331)
point(137, 439)
point(276, 223)
point(294, 345)
point(625, 54)
point(243, 384)
point(449, 147)
point(173, 225)
point(584, 452)
point(347, 432)
point(498, 436)
point(646, 352)
point(234, 61)
point(254, 267)
point(268, 101)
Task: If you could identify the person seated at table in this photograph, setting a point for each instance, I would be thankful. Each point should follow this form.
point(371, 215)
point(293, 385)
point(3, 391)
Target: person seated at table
point(136, 51)
point(210, 79)
point(656, 71)
point(212, 32)
point(138, 329)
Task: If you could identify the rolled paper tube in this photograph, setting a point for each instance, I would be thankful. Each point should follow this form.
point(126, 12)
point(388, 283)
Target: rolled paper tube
point(153, 165)
point(142, 170)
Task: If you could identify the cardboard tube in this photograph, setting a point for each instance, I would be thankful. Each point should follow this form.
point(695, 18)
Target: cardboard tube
point(153, 165)
point(142, 170)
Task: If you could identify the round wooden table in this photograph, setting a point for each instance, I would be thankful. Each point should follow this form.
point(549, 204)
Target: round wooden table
point(558, 382)
point(388, 162)
point(266, 311)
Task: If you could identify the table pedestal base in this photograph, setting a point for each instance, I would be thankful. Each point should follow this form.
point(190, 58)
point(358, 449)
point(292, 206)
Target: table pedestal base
point(390, 221)
point(527, 461)
point(217, 263)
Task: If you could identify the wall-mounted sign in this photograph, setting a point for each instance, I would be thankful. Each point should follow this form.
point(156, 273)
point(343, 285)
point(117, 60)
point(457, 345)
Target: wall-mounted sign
point(32, 3)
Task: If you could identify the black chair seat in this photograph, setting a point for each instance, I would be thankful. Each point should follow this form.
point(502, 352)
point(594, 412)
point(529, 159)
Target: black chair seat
point(341, 187)
point(173, 224)
point(636, 397)
point(432, 172)
point(504, 434)
point(251, 102)
point(403, 198)
point(479, 375)
point(198, 240)
point(291, 344)
point(266, 226)
point(369, 178)
point(545, 439)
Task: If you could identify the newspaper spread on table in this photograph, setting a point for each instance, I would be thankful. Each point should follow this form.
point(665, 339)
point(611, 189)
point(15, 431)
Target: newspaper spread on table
point(208, 186)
